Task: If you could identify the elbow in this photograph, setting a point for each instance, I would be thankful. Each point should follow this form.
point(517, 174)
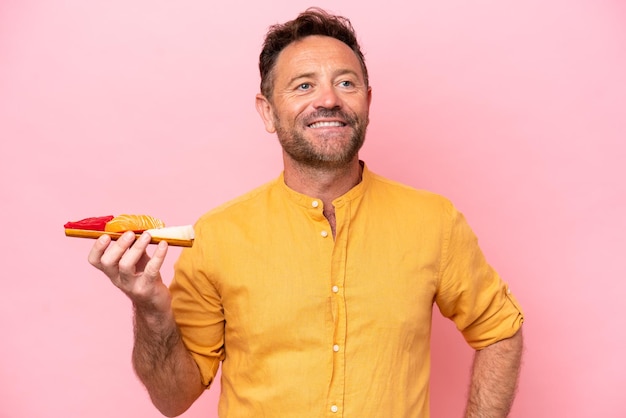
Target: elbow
point(176, 400)
point(174, 405)
point(169, 410)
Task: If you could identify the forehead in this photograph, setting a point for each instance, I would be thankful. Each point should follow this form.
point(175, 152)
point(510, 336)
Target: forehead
point(315, 54)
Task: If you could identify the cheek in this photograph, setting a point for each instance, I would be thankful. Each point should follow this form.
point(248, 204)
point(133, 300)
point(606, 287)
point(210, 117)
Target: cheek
point(288, 117)
point(293, 105)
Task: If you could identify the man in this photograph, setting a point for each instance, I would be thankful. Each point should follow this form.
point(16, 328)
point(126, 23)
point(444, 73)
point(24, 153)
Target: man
point(314, 292)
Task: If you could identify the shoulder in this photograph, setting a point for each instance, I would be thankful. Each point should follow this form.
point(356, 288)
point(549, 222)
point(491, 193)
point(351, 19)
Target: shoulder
point(245, 205)
point(394, 192)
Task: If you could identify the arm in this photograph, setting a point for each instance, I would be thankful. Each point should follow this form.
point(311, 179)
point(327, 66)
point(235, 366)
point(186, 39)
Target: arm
point(163, 363)
point(160, 358)
point(494, 378)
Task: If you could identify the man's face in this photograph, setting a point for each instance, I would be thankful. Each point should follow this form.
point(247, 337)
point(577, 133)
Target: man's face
point(320, 103)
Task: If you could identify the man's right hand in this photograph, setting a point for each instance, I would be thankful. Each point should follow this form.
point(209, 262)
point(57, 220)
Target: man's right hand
point(160, 358)
point(129, 267)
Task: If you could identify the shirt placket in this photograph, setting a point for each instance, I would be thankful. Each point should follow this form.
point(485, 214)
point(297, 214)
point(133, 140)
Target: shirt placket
point(336, 393)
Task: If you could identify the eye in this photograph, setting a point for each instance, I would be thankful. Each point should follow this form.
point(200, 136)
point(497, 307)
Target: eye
point(304, 86)
point(346, 83)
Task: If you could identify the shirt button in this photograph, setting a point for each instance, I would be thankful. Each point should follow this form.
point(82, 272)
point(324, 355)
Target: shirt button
point(315, 203)
point(324, 234)
point(336, 348)
point(334, 408)
point(335, 289)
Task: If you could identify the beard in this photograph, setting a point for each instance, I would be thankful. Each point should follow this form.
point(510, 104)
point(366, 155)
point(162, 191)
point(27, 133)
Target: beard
point(333, 151)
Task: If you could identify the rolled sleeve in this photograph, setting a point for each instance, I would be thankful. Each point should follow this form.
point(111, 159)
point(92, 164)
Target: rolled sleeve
point(198, 310)
point(471, 293)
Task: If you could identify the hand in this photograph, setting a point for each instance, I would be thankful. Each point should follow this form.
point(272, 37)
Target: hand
point(130, 268)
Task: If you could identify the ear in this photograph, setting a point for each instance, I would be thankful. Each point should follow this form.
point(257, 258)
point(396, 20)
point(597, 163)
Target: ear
point(264, 107)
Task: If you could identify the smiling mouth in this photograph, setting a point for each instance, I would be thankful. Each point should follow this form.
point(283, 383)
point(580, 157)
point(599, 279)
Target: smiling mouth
point(333, 124)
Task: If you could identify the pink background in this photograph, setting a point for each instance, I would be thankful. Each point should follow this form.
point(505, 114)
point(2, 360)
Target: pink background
point(514, 111)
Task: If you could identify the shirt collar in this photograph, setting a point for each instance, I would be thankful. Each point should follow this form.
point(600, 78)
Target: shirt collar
point(308, 201)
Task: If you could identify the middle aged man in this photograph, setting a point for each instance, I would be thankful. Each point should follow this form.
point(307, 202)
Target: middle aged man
point(315, 291)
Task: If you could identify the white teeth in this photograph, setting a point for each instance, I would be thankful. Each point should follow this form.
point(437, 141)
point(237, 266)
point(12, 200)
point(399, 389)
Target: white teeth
point(325, 124)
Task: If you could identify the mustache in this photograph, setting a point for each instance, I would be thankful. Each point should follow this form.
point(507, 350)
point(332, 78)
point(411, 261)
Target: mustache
point(348, 118)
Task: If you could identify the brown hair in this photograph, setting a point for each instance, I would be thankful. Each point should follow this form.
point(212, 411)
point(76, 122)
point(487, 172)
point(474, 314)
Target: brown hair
point(313, 21)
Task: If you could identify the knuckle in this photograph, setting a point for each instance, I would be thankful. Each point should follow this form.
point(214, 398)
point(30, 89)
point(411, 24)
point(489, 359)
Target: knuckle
point(125, 265)
point(151, 271)
point(93, 260)
point(106, 263)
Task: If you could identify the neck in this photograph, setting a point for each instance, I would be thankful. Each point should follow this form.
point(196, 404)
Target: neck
point(326, 184)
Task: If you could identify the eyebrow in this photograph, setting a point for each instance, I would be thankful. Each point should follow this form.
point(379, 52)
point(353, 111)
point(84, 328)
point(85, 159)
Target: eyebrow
point(312, 75)
point(299, 76)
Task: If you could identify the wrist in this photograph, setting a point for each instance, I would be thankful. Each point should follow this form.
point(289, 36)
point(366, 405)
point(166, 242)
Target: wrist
point(153, 317)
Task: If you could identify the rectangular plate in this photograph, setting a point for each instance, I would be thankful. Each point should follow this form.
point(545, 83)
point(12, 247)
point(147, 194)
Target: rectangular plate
point(85, 233)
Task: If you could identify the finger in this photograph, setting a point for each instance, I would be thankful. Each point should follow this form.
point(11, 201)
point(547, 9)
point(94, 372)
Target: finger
point(132, 258)
point(109, 261)
point(153, 267)
point(97, 250)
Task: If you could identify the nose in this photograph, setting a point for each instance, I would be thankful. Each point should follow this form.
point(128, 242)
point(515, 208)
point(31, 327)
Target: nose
point(328, 98)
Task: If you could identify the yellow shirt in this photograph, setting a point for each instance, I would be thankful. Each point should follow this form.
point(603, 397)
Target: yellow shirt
point(308, 326)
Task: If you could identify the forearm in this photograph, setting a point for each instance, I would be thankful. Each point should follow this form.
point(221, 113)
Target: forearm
point(494, 378)
point(164, 365)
